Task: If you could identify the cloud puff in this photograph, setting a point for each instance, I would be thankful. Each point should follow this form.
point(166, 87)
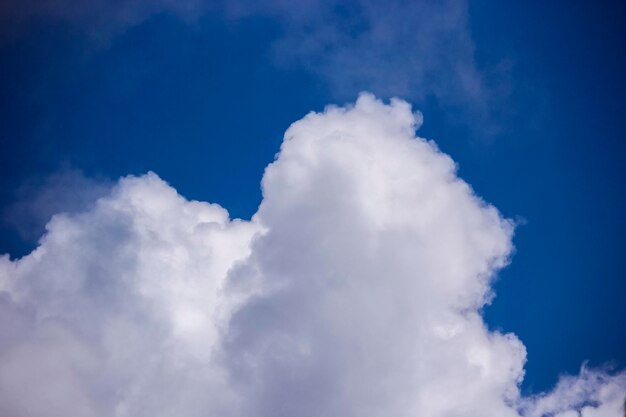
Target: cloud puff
point(593, 393)
point(355, 290)
point(116, 312)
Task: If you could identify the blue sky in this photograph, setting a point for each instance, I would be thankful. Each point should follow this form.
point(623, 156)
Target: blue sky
point(526, 97)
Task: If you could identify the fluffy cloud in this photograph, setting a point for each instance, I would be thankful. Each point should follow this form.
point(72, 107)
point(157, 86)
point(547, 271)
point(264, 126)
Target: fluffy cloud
point(355, 290)
point(117, 310)
point(592, 394)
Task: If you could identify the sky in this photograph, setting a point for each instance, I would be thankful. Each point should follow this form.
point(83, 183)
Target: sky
point(312, 208)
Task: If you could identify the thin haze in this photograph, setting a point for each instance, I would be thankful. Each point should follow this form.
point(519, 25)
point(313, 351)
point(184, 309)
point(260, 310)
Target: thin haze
point(417, 49)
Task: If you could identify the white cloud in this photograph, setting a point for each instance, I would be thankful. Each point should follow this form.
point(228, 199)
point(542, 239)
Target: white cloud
point(119, 307)
point(593, 393)
point(355, 291)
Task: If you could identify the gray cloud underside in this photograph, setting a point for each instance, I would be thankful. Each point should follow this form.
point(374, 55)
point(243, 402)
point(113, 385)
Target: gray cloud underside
point(355, 290)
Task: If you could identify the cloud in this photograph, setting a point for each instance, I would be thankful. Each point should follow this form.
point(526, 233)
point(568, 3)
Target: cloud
point(355, 290)
point(594, 393)
point(115, 313)
point(419, 49)
point(38, 199)
point(394, 48)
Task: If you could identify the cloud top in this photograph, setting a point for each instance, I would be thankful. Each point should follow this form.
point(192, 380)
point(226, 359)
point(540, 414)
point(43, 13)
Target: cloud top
point(355, 290)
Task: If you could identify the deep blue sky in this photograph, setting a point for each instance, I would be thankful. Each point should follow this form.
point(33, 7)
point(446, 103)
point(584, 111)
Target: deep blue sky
point(204, 104)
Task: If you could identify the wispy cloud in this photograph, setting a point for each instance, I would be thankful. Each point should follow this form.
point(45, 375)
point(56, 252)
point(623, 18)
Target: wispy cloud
point(417, 49)
point(37, 199)
point(355, 290)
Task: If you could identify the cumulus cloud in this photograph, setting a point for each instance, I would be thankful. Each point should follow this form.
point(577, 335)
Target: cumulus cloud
point(355, 290)
point(594, 393)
